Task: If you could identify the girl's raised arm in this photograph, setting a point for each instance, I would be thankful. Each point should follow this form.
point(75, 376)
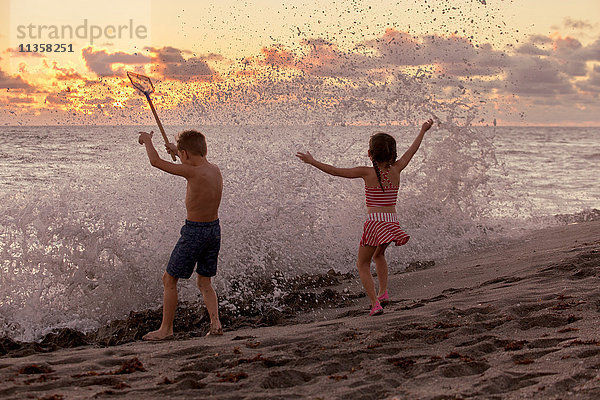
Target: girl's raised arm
point(356, 172)
point(408, 155)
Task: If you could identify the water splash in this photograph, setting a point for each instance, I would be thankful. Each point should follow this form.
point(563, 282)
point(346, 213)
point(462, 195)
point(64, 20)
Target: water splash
point(84, 253)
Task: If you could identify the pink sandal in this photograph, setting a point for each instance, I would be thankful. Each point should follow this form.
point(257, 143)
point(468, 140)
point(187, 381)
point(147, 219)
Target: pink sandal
point(376, 309)
point(384, 299)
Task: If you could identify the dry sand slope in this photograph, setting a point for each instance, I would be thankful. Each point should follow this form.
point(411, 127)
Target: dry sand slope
point(516, 321)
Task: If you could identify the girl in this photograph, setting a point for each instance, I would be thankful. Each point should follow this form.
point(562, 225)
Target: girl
point(381, 189)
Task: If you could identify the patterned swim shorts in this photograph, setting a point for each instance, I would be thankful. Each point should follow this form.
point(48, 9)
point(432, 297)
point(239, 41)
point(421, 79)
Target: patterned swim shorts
point(199, 245)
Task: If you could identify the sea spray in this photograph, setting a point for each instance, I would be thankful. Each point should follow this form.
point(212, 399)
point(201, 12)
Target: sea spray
point(82, 253)
point(67, 266)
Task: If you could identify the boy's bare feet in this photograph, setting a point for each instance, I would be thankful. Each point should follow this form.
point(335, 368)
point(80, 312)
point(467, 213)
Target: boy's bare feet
point(157, 335)
point(215, 331)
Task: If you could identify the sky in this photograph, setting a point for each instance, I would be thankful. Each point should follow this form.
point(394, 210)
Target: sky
point(525, 62)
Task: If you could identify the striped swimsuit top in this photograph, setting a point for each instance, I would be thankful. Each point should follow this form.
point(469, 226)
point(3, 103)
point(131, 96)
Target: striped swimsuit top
point(375, 197)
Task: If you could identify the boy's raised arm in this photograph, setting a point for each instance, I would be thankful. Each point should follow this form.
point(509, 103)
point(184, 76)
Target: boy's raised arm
point(172, 168)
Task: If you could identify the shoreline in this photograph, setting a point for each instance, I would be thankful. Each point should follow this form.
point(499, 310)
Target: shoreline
point(513, 320)
point(301, 296)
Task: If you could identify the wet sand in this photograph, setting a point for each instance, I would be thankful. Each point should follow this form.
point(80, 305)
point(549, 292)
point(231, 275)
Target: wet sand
point(517, 320)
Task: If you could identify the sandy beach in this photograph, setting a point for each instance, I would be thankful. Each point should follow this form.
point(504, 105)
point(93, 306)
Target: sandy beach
point(515, 320)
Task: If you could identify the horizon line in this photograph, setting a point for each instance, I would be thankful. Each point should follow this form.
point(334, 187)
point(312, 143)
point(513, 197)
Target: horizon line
point(596, 125)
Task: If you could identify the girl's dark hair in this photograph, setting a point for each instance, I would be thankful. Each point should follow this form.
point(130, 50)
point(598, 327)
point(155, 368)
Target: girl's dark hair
point(383, 150)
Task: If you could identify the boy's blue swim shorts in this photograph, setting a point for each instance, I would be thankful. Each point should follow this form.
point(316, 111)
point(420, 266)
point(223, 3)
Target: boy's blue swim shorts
point(199, 245)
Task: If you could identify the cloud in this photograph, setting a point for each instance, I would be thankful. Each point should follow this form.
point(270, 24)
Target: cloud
point(485, 62)
point(395, 50)
point(375, 78)
point(572, 56)
point(543, 66)
point(315, 57)
point(592, 84)
point(590, 52)
point(66, 74)
point(452, 54)
point(20, 100)
point(324, 58)
point(17, 53)
point(546, 66)
point(60, 98)
point(401, 48)
point(101, 62)
point(100, 101)
point(568, 48)
point(398, 48)
point(577, 24)
point(172, 64)
point(535, 76)
point(278, 56)
point(13, 82)
point(539, 39)
point(532, 50)
point(320, 58)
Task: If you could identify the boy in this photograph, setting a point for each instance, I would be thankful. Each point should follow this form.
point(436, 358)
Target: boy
point(200, 236)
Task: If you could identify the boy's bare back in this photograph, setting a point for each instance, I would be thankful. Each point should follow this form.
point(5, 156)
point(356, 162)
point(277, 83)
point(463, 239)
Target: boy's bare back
point(204, 191)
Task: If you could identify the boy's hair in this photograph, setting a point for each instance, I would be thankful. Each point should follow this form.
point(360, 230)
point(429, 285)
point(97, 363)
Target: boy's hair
point(383, 150)
point(192, 141)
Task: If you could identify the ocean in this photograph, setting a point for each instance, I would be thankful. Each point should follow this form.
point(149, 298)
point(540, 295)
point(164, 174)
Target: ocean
point(87, 224)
